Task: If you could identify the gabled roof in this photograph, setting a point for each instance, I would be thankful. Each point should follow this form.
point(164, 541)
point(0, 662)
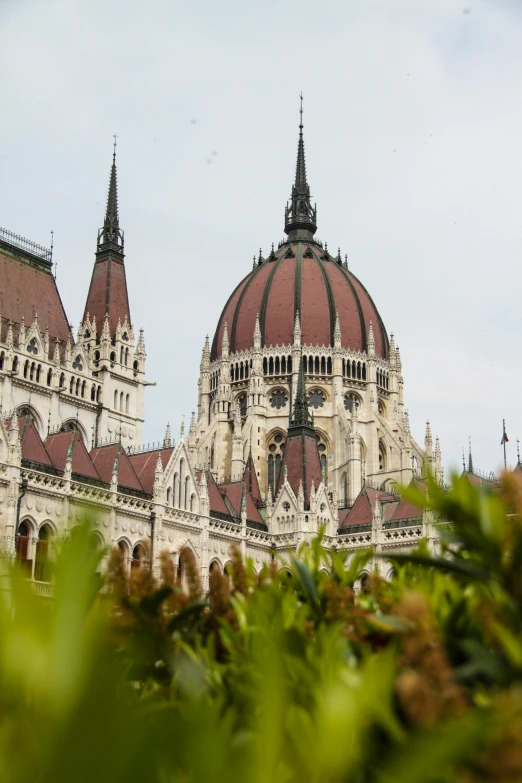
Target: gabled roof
point(104, 457)
point(26, 289)
point(217, 504)
point(58, 447)
point(234, 493)
point(251, 482)
point(144, 465)
point(33, 448)
point(361, 513)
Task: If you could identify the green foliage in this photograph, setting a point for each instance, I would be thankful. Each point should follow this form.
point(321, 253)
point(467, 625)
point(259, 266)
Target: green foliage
point(283, 676)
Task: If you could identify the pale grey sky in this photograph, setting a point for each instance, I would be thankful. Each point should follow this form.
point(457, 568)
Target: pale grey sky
point(413, 122)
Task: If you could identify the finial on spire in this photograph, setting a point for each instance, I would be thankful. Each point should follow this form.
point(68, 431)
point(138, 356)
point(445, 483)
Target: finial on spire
point(110, 237)
point(300, 216)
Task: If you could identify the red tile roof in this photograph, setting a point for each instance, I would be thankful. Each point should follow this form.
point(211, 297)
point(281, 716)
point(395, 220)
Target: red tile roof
point(251, 482)
point(108, 294)
point(217, 503)
point(301, 458)
point(58, 446)
point(234, 494)
point(103, 459)
point(25, 290)
point(144, 465)
point(33, 448)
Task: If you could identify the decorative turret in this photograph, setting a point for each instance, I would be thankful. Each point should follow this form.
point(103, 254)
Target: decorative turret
point(439, 472)
point(470, 458)
point(257, 334)
point(428, 442)
point(300, 216)
point(167, 440)
point(371, 340)
point(225, 345)
point(337, 332)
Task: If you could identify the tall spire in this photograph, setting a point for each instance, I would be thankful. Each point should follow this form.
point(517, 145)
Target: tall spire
point(110, 237)
point(300, 216)
point(301, 414)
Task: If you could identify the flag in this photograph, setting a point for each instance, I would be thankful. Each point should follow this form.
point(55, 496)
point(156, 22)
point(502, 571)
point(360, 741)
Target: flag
point(505, 438)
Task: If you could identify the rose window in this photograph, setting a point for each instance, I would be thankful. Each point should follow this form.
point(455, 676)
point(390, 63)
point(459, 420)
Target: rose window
point(77, 365)
point(278, 399)
point(316, 399)
point(349, 401)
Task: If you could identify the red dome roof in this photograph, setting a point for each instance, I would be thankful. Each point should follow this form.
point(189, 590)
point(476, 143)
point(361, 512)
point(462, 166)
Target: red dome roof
point(300, 276)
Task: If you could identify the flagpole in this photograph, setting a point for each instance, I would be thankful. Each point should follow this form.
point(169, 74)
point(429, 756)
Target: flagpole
point(504, 440)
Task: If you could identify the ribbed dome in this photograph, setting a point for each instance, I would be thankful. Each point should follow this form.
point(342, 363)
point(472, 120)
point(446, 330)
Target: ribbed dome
point(300, 276)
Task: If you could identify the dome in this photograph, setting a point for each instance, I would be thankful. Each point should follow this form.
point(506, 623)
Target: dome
point(300, 276)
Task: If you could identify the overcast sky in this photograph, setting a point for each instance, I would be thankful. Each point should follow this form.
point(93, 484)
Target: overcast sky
point(413, 128)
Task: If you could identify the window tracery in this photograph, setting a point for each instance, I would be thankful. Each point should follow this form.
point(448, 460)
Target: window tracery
point(278, 399)
point(316, 398)
point(276, 447)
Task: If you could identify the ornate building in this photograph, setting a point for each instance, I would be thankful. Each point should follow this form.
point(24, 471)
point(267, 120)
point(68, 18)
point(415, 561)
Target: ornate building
point(301, 421)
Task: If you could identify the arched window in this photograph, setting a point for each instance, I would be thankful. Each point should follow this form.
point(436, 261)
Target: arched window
point(121, 400)
point(42, 566)
point(138, 556)
point(181, 480)
point(116, 400)
point(289, 365)
point(276, 449)
point(364, 371)
point(113, 358)
point(127, 402)
point(317, 365)
point(49, 376)
point(26, 368)
point(283, 365)
point(23, 542)
point(62, 381)
point(15, 364)
point(271, 365)
point(365, 584)
point(169, 496)
point(344, 490)
point(121, 355)
point(359, 370)
point(2, 357)
point(277, 366)
point(38, 373)
point(382, 455)
point(83, 388)
point(323, 365)
point(265, 367)
point(242, 402)
point(98, 394)
point(185, 494)
point(78, 382)
point(175, 489)
point(93, 393)
point(126, 356)
point(192, 502)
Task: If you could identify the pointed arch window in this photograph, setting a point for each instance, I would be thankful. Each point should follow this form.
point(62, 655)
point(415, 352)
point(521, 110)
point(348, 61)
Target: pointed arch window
point(276, 449)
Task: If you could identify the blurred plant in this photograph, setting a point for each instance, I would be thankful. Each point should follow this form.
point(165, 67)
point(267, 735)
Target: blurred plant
point(290, 674)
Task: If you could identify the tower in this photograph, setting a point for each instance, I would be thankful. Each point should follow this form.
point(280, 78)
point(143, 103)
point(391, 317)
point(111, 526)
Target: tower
point(107, 332)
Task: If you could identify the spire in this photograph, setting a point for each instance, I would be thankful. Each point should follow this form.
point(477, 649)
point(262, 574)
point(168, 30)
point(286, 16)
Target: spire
point(167, 440)
point(108, 293)
point(301, 415)
point(300, 216)
point(257, 333)
point(337, 332)
point(371, 340)
point(297, 329)
point(110, 237)
point(428, 441)
point(470, 459)
point(224, 342)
